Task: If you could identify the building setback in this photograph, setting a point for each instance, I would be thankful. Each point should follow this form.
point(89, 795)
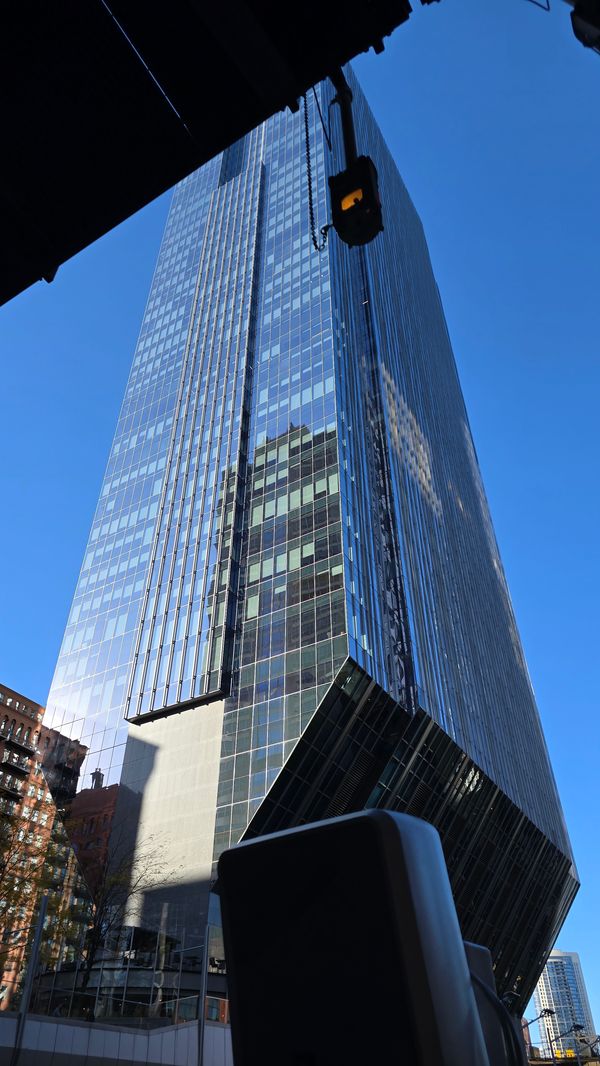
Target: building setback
point(561, 988)
point(292, 603)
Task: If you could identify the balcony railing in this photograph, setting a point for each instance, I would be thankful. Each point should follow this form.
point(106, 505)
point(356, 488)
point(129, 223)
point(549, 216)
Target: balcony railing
point(10, 737)
point(16, 762)
point(12, 788)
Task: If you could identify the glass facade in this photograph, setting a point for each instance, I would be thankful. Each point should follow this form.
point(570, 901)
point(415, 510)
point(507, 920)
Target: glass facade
point(90, 684)
point(292, 559)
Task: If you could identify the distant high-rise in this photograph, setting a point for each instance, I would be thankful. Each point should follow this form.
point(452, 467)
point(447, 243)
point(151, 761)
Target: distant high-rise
point(292, 603)
point(561, 988)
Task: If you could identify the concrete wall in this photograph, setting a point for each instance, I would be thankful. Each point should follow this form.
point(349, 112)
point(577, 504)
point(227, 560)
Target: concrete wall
point(63, 1042)
point(217, 1045)
point(172, 767)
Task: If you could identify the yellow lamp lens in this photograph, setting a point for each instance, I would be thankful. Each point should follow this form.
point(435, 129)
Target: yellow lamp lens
point(351, 199)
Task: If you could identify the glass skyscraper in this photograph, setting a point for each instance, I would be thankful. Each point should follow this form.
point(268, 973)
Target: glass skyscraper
point(561, 989)
point(292, 603)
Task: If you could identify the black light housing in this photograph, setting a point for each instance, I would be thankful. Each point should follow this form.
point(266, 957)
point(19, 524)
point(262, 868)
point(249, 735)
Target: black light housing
point(585, 19)
point(355, 203)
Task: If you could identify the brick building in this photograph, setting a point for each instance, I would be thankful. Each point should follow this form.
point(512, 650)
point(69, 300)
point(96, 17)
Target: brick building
point(35, 855)
point(89, 826)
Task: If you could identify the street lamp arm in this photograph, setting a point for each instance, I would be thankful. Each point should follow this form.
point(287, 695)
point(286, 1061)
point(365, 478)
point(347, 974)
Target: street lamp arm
point(567, 1032)
point(547, 1011)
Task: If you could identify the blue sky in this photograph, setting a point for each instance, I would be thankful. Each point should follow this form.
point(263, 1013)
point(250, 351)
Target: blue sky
point(491, 111)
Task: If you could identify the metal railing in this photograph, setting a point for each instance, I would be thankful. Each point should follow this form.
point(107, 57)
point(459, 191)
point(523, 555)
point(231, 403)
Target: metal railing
point(10, 785)
point(10, 735)
point(109, 1007)
point(21, 762)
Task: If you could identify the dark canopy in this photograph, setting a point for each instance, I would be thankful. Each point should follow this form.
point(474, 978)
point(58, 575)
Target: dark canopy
point(107, 104)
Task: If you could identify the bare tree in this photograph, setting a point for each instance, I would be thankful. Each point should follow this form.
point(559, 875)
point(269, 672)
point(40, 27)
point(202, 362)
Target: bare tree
point(22, 853)
point(118, 882)
point(35, 860)
point(89, 897)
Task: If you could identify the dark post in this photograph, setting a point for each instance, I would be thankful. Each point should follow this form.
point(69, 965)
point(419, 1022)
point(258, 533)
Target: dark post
point(28, 985)
point(344, 99)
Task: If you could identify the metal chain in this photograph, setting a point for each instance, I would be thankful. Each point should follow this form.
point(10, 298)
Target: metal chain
point(318, 246)
point(327, 132)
